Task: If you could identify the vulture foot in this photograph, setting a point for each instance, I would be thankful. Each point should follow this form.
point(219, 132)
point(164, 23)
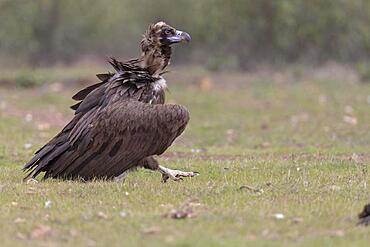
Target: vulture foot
point(175, 175)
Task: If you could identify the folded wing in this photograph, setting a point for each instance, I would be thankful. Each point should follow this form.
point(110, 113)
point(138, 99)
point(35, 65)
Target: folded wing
point(110, 140)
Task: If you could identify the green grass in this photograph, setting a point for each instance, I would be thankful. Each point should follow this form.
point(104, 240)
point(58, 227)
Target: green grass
point(289, 141)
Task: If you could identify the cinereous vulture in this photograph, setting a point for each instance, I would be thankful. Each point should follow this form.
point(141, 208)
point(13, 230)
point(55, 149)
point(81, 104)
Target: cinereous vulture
point(121, 122)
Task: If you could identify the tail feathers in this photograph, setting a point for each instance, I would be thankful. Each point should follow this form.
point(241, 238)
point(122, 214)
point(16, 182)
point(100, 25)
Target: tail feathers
point(64, 162)
point(39, 154)
point(46, 156)
point(42, 160)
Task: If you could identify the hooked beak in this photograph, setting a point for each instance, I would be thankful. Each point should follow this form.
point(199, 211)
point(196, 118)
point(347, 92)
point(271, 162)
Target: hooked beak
point(179, 37)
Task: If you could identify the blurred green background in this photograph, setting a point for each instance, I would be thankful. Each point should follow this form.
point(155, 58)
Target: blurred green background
point(279, 122)
point(236, 34)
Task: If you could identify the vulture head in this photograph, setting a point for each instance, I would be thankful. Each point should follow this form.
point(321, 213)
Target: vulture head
point(162, 34)
point(156, 45)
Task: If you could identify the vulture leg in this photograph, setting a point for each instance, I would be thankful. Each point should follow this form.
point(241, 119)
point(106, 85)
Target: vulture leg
point(149, 163)
point(122, 176)
point(175, 175)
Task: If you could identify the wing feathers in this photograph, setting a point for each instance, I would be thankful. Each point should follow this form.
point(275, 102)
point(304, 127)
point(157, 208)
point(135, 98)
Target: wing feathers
point(111, 131)
point(132, 132)
point(84, 92)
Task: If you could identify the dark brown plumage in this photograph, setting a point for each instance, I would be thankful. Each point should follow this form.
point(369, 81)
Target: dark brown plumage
point(120, 122)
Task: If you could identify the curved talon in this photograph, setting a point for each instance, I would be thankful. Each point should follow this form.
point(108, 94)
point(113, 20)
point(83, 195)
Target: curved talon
point(175, 175)
point(165, 177)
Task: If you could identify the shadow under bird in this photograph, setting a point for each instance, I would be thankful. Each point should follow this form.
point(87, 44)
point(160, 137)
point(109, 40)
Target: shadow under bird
point(121, 122)
point(364, 216)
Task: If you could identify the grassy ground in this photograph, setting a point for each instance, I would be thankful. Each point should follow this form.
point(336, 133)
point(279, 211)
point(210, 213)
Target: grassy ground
point(281, 164)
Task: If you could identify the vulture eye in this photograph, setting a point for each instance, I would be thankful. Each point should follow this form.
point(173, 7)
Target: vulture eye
point(167, 32)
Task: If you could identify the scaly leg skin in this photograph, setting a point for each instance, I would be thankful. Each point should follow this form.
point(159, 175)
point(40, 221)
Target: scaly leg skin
point(121, 177)
point(175, 175)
